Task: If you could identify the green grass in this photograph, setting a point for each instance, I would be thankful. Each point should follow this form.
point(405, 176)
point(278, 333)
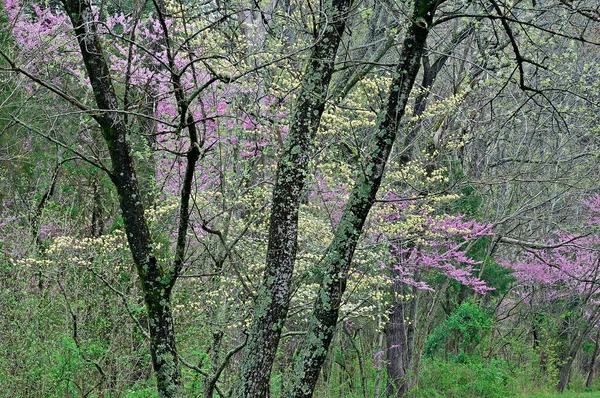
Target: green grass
point(567, 394)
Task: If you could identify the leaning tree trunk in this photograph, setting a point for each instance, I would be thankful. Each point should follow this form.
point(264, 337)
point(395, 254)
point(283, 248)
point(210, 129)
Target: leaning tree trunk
point(155, 282)
point(593, 366)
point(565, 372)
point(573, 348)
point(271, 305)
point(569, 356)
point(341, 250)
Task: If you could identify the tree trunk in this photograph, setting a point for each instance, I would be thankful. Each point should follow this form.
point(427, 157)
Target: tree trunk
point(156, 283)
point(271, 305)
point(565, 371)
point(340, 252)
point(396, 344)
point(573, 345)
point(400, 334)
point(162, 337)
point(569, 355)
point(593, 370)
point(400, 337)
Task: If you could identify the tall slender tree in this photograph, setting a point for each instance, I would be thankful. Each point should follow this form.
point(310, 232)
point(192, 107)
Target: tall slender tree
point(270, 309)
point(337, 262)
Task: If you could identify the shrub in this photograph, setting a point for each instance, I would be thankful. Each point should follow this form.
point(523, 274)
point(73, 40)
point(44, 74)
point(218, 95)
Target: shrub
point(448, 379)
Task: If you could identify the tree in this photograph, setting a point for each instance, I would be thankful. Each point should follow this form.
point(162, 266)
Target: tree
point(193, 103)
point(270, 309)
point(564, 272)
point(157, 280)
point(338, 258)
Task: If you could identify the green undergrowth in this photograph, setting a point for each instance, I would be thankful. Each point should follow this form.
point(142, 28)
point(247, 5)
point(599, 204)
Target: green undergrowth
point(566, 394)
point(450, 379)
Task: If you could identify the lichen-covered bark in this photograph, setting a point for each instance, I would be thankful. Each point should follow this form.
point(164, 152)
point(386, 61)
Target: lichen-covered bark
point(271, 305)
point(155, 282)
point(340, 252)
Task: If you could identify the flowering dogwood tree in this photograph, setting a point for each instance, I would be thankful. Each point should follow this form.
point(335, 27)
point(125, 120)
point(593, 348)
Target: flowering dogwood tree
point(185, 107)
point(144, 84)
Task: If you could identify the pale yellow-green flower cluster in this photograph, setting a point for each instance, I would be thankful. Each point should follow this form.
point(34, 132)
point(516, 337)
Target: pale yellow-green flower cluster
point(68, 251)
point(356, 113)
point(101, 244)
point(166, 208)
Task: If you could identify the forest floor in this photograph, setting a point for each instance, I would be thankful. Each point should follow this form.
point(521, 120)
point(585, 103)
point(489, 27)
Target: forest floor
point(592, 394)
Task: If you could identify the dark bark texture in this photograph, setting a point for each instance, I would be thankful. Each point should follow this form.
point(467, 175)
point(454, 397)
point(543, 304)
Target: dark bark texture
point(396, 334)
point(339, 256)
point(271, 305)
point(156, 284)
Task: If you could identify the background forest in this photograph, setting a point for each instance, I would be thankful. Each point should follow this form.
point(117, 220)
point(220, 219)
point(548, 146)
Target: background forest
point(286, 198)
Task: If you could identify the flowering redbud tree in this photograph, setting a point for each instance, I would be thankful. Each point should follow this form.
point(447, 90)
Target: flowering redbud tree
point(564, 273)
point(423, 246)
point(145, 90)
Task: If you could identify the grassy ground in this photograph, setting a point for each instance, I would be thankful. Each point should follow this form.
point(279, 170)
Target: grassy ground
point(595, 394)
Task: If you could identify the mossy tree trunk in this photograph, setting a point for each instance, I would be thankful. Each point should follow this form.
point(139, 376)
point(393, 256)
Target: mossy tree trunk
point(401, 326)
point(340, 252)
point(157, 280)
point(271, 304)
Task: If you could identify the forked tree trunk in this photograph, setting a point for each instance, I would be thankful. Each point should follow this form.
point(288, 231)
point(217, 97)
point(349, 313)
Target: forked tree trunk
point(339, 255)
point(156, 283)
